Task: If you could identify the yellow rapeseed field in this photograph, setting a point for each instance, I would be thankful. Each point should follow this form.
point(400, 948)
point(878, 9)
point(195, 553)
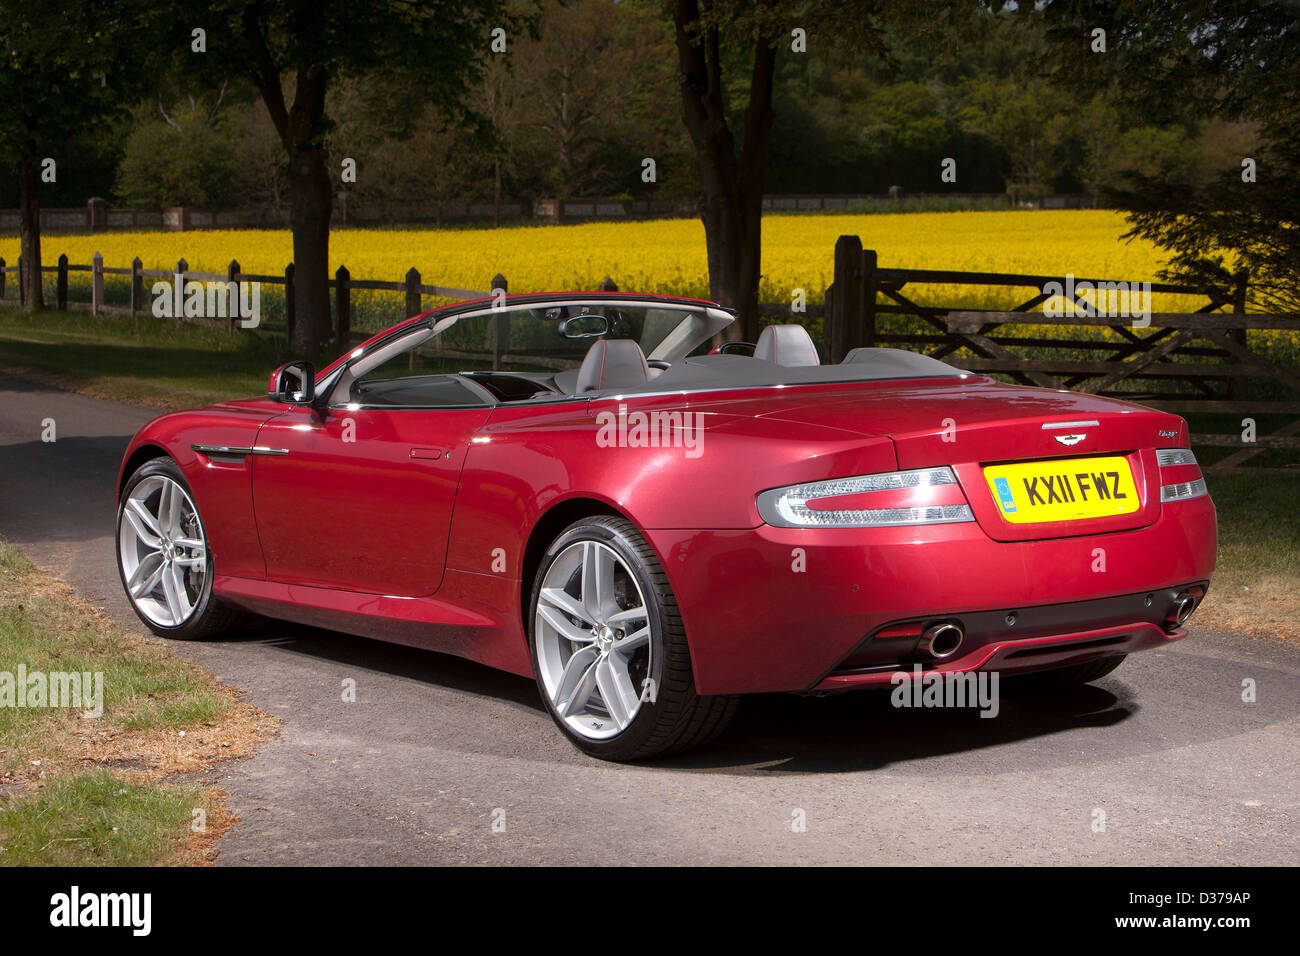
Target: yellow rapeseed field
point(668, 256)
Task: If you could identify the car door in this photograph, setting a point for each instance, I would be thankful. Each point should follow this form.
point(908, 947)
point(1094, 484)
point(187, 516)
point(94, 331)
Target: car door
point(358, 495)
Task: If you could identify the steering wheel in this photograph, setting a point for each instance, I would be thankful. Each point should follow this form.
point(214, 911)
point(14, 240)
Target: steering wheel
point(658, 363)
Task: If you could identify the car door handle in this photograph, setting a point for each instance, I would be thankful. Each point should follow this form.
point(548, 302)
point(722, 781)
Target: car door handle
point(429, 453)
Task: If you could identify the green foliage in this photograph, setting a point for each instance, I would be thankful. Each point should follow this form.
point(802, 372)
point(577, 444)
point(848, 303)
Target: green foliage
point(185, 159)
point(1235, 63)
point(68, 69)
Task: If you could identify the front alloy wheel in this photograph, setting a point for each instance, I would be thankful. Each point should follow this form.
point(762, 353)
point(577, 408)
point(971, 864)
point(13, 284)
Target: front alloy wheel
point(609, 649)
point(162, 555)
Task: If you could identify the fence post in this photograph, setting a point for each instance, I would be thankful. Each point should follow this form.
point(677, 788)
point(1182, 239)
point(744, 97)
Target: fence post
point(232, 293)
point(843, 317)
point(343, 305)
point(2, 277)
point(289, 316)
point(414, 301)
point(1238, 387)
point(869, 286)
point(607, 286)
point(22, 286)
point(182, 267)
point(500, 324)
point(61, 285)
point(97, 284)
point(832, 334)
point(137, 285)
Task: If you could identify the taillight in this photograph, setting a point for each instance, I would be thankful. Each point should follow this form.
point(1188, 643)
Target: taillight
point(1179, 490)
point(920, 496)
point(1174, 456)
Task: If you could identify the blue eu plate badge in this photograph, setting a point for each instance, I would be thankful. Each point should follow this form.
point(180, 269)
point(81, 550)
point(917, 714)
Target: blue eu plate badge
point(1004, 493)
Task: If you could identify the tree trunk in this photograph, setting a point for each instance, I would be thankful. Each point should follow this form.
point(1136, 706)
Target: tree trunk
point(732, 216)
point(732, 184)
point(311, 197)
point(311, 201)
point(29, 231)
point(496, 191)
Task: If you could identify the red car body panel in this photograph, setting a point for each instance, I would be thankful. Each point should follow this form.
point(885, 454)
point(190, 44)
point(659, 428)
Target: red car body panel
point(805, 623)
point(421, 527)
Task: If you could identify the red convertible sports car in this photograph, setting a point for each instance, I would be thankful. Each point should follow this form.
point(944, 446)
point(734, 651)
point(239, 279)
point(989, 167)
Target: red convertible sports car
point(566, 487)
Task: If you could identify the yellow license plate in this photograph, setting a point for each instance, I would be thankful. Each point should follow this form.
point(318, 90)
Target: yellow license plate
point(1063, 490)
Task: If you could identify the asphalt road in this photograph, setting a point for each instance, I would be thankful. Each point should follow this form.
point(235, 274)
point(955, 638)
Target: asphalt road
point(1183, 770)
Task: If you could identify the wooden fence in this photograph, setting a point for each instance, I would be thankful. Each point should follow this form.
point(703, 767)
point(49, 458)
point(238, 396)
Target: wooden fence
point(412, 287)
point(1204, 353)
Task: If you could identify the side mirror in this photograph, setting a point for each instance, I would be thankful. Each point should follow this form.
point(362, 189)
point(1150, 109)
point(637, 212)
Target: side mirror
point(293, 383)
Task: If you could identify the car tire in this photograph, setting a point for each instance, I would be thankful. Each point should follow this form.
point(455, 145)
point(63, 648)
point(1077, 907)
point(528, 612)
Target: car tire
point(598, 574)
point(182, 607)
point(1070, 675)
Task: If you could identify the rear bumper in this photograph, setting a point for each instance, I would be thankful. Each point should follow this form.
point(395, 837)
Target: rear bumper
point(777, 609)
point(1022, 656)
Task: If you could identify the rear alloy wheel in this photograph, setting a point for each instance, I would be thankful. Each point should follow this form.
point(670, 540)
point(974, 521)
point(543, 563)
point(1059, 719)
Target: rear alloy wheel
point(162, 555)
point(609, 649)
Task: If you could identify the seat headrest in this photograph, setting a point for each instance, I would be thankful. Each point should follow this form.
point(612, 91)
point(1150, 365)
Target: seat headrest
point(612, 363)
point(788, 345)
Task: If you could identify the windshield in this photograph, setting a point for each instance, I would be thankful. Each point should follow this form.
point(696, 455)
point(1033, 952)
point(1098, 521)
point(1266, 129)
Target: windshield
point(529, 338)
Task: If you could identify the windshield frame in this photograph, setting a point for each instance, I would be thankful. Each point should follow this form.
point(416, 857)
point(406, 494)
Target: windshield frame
point(675, 346)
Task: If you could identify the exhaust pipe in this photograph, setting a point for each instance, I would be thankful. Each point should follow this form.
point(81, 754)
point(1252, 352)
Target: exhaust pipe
point(1184, 605)
point(942, 640)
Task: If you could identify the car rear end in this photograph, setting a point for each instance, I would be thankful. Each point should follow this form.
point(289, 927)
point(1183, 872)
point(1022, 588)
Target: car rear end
point(1026, 530)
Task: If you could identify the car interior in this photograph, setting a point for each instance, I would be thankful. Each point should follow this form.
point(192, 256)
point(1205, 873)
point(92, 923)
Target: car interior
point(616, 363)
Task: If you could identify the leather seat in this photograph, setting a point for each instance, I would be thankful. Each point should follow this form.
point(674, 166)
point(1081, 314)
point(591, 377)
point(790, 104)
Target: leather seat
point(788, 345)
point(612, 363)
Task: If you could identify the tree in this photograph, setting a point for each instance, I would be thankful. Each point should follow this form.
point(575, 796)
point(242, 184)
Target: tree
point(437, 45)
point(722, 39)
point(181, 155)
point(1238, 63)
point(578, 105)
point(413, 154)
point(62, 72)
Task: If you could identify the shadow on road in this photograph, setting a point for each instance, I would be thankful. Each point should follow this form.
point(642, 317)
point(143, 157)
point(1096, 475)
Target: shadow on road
point(862, 730)
point(851, 732)
point(410, 663)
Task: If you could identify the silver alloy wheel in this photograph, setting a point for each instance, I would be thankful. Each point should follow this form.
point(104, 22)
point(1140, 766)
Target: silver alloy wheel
point(594, 639)
point(163, 551)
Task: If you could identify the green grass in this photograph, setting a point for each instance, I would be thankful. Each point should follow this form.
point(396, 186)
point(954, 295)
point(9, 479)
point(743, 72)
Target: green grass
point(60, 803)
point(95, 819)
point(1256, 584)
point(143, 360)
point(142, 691)
point(1259, 524)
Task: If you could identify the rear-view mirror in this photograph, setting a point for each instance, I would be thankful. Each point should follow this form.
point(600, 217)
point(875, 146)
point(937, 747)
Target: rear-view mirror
point(585, 326)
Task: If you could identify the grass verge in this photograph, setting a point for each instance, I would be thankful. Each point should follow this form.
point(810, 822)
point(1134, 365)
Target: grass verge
point(1256, 585)
point(84, 790)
